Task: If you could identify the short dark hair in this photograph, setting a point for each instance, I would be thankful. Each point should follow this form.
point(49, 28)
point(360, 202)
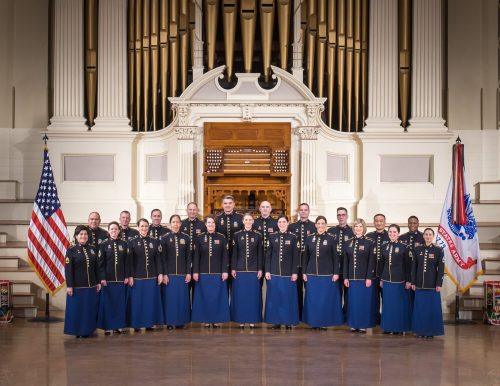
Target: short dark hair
point(155, 210)
point(174, 216)
point(125, 211)
point(413, 217)
point(228, 197)
point(304, 203)
point(429, 229)
point(320, 218)
point(114, 223)
point(342, 208)
point(209, 216)
point(283, 216)
point(379, 214)
point(395, 226)
point(192, 203)
point(80, 228)
point(142, 220)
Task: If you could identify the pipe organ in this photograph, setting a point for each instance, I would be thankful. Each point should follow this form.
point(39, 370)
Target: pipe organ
point(249, 36)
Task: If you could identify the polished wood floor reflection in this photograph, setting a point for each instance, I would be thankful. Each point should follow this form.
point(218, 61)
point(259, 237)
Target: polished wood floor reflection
point(39, 354)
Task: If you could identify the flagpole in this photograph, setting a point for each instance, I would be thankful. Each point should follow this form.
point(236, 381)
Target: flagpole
point(46, 318)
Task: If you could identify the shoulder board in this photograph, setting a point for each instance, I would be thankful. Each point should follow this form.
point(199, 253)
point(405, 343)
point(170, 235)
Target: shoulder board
point(185, 234)
point(241, 230)
point(220, 234)
point(256, 231)
point(134, 237)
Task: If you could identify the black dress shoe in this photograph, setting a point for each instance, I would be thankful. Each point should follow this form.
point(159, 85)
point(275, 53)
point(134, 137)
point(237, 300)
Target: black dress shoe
point(181, 327)
point(169, 327)
point(108, 332)
point(252, 326)
point(149, 329)
point(275, 326)
point(215, 325)
point(288, 327)
point(137, 329)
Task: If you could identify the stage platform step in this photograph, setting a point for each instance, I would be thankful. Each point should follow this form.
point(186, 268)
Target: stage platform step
point(22, 311)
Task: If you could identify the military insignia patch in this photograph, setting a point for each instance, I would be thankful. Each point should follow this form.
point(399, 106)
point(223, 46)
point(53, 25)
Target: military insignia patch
point(151, 245)
point(325, 242)
point(287, 242)
point(67, 260)
point(182, 241)
point(361, 247)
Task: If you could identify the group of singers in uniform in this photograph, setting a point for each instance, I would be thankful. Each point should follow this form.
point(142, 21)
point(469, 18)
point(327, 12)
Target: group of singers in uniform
point(212, 272)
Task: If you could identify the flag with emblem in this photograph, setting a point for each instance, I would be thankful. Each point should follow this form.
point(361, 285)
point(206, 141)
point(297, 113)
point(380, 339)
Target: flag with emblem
point(457, 232)
point(48, 236)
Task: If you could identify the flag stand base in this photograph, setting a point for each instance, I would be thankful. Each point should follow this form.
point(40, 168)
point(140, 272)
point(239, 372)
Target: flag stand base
point(457, 321)
point(47, 318)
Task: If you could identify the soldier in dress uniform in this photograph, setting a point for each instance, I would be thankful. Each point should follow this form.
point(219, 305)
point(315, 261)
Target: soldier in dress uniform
point(156, 230)
point(281, 267)
point(229, 222)
point(303, 228)
point(247, 265)
point(192, 225)
point(427, 279)
point(96, 234)
point(265, 224)
point(379, 237)
point(210, 273)
point(126, 233)
point(413, 238)
point(176, 256)
point(82, 282)
point(341, 233)
point(114, 276)
point(395, 279)
point(321, 266)
point(359, 272)
point(146, 276)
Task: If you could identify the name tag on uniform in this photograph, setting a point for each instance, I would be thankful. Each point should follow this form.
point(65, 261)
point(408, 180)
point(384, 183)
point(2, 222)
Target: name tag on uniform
point(150, 245)
point(325, 242)
point(431, 255)
point(216, 241)
point(182, 241)
point(361, 248)
point(270, 230)
point(287, 242)
point(120, 248)
point(252, 240)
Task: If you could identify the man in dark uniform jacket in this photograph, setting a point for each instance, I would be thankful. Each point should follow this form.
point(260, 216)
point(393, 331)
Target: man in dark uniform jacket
point(229, 222)
point(192, 225)
point(341, 233)
point(302, 229)
point(156, 230)
point(379, 237)
point(265, 224)
point(96, 234)
point(126, 233)
point(413, 238)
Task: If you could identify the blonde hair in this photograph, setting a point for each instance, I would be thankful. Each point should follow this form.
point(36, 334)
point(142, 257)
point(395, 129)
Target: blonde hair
point(360, 221)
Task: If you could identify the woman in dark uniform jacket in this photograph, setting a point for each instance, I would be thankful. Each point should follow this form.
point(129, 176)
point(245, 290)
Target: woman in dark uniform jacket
point(282, 261)
point(176, 256)
point(395, 279)
point(82, 282)
point(210, 273)
point(359, 271)
point(322, 304)
point(427, 279)
point(247, 264)
point(146, 275)
point(114, 274)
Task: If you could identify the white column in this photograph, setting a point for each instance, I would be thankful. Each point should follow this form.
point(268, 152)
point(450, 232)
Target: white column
point(185, 148)
point(427, 93)
point(298, 43)
point(112, 67)
point(68, 66)
point(197, 41)
point(383, 68)
point(308, 138)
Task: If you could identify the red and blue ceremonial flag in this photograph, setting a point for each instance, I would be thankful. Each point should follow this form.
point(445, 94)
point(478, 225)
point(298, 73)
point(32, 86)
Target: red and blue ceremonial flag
point(457, 232)
point(48, 236)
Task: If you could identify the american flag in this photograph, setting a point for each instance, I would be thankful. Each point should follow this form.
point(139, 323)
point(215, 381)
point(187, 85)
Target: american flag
point(48, 236)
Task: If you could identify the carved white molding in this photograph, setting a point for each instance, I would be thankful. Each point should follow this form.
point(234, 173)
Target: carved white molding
point(185, 133)
point(197, 40)
point(297, 45)
point(307, 132)
point(247, 112)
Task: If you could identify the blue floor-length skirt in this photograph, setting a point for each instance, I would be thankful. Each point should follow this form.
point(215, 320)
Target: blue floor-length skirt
point(211, 300)
point(145, 304)
point(396, 311)
point(246, 298)
point(427, 313)
point(322, 303)
point(360, 308)
point(113, 306)
point(376, 294)
point(175, 301)
point(81, 312)
point(281, 301)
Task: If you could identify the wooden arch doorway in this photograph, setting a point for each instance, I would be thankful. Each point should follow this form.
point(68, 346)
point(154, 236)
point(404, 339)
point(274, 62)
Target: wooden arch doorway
point(251, 162)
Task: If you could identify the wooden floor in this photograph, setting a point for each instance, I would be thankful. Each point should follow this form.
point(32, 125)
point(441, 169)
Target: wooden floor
point(39, 354)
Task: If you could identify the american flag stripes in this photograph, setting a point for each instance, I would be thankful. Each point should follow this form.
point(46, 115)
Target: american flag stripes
point(48, 236)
